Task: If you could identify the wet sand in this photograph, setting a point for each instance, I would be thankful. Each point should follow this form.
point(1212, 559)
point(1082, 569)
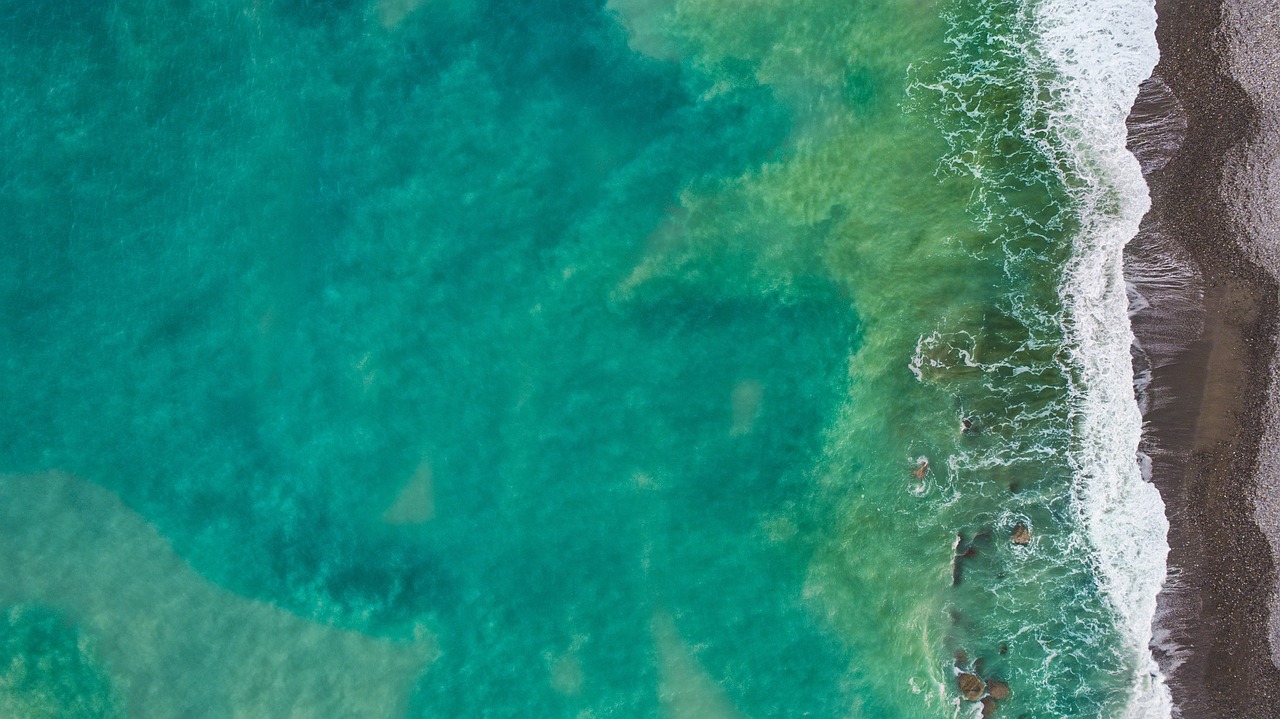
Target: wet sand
point(1205, 316)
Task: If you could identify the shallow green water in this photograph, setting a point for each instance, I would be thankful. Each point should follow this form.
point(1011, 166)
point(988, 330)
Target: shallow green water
point(597, 344)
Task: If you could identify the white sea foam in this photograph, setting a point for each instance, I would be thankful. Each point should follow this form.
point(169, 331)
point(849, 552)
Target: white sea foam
point(1099, 51)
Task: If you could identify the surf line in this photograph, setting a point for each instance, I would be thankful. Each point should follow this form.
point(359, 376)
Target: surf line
point(1097, 53)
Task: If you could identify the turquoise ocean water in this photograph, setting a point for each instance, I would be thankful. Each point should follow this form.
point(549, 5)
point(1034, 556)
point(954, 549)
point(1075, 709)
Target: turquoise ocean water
point(469, 358)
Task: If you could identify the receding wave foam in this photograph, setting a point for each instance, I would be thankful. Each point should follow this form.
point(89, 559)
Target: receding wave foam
point(1099, 51)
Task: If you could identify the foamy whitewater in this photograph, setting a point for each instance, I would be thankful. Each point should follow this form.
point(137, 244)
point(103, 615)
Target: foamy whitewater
point(1100, 52)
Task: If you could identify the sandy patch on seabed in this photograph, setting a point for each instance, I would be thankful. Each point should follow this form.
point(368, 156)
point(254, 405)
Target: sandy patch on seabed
point(174, 643)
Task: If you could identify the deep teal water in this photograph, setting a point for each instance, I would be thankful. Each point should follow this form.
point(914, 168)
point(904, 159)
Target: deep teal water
point(209, 297)
point(635, 308)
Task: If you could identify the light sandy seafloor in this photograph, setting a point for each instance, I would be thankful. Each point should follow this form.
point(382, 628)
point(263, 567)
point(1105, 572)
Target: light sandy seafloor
point(174, 642)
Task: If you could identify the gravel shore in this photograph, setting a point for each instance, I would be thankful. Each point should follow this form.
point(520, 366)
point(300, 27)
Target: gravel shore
point(1203, 273)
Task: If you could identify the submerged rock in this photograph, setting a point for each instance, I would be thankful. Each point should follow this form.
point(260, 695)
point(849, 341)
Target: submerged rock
point(997, 689)
point(957, 568)
point(1021, 535)
point(989, 706)
point(922, 468)
point(971, 686)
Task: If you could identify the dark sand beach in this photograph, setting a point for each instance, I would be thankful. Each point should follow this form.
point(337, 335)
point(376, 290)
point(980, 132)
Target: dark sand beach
point(1205, 317)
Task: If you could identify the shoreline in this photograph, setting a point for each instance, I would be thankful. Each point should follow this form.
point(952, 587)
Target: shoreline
point(1204, 316)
